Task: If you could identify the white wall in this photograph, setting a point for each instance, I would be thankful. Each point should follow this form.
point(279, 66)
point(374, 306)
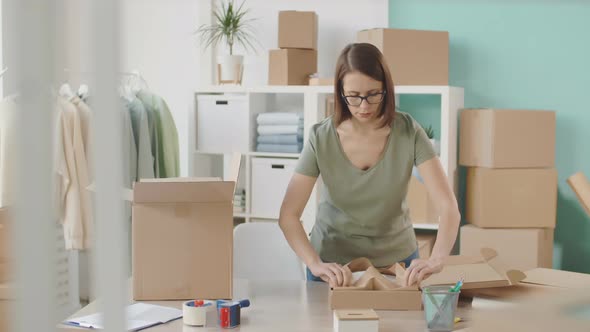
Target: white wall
point(338, 22)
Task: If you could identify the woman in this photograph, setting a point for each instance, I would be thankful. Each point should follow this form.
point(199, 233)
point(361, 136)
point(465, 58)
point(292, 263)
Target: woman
point(365, 153)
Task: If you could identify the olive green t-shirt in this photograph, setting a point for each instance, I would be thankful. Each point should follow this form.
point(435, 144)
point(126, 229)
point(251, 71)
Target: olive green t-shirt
point(363, 213)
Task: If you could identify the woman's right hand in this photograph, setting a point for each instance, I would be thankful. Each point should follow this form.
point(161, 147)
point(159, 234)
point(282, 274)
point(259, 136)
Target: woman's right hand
point(334, 274)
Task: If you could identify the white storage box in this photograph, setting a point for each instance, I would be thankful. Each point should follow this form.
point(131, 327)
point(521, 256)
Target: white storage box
point(270, 177)
point(222, 123)
point(356, 320)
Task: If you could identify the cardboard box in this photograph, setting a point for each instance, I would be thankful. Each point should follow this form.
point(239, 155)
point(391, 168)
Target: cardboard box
point(581, 186)
point(511, 198)
point(522, 248)
point(321, 81)
point(183, 238)
point(501, 138)
point(414, 57)
point(483, 271)
point(557, 278)
point(537, 281)
point(425, 244)
point(356, 320)
point(298, 30)
point(374, 291)
point(422, 208)
point(291, 66)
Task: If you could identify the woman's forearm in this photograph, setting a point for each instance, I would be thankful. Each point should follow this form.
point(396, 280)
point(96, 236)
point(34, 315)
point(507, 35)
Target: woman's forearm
point(295, 235)
point(447, 232)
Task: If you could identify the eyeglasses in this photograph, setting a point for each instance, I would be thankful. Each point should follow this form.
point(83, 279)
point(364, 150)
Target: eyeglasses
point(374, 98)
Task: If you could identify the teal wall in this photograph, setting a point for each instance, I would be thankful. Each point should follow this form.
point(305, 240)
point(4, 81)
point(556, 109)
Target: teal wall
point(520, 54)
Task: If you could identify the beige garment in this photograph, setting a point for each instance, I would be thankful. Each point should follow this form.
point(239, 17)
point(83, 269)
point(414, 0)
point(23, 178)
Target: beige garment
point(8, 151)
point(85, 122)
point(73, 172)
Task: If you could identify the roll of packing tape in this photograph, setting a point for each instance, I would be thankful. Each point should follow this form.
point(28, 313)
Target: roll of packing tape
point(194, 313)
point(229, 312)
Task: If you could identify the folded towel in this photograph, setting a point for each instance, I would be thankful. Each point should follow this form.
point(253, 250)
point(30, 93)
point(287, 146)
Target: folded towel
point(280, 118)
point(280, 148)
point(280, 129)
point(280, 139)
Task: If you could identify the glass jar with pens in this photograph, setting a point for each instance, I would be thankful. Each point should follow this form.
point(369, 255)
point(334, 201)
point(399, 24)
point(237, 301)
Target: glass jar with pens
point(440, 304)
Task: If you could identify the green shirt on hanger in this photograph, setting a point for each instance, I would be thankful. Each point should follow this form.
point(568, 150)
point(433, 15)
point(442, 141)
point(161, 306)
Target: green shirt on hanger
point(141, 132)
point(164, 137)
point(363, 213)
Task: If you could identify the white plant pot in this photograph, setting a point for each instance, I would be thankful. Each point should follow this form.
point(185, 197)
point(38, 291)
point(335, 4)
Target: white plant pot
point(230, 68)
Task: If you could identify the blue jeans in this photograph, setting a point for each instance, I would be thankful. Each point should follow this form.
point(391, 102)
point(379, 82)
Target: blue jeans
point(407, 261)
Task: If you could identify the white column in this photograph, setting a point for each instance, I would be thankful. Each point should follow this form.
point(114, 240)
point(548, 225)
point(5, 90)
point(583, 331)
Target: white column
point(31, 27)
point(109, 260)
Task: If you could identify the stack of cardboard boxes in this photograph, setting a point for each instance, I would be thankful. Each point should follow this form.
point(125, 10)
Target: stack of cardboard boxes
point(297, 57)
point(511, 193)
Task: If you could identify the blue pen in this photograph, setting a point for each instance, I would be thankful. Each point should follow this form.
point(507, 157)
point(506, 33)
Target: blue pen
point(81, 324)
point(243, 303)
point(457, 286)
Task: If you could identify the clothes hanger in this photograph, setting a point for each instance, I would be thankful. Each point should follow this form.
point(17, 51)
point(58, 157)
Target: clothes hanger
point(66, 91)
point(83, 91)
point(138, 82)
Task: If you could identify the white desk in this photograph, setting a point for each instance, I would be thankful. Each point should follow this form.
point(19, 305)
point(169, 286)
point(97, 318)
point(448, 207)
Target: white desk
point(286, 306)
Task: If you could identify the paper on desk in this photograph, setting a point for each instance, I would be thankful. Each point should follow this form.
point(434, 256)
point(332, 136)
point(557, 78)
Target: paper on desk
point(139, 316)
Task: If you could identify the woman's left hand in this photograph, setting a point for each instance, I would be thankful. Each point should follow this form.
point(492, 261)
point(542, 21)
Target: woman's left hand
point(421, 269)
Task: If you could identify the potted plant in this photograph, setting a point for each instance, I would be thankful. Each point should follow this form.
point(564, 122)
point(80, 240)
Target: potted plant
point(430, 133)
point(233, 28)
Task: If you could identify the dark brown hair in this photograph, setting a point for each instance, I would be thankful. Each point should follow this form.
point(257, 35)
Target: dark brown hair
point(367, 59)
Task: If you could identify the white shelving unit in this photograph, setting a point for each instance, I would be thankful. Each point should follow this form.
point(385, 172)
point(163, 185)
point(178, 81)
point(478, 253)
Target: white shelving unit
point(208, 163)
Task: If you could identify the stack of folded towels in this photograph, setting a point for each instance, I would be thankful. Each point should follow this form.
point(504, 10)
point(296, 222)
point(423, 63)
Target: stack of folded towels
point(240, 200)
point(280, 132)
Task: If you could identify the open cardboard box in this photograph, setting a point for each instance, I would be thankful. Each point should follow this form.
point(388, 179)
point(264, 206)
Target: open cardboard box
point(182, 237)
point(374, 291)
point(581, 186)
point(537, 281)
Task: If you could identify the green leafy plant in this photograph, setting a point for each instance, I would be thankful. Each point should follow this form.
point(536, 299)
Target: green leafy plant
point(429, 132)
point(230, 25)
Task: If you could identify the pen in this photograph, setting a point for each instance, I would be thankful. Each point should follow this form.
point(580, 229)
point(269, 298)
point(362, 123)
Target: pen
point(82, 324)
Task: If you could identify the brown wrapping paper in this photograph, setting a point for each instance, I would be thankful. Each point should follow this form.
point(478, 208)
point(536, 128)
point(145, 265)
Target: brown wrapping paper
point(373, 278)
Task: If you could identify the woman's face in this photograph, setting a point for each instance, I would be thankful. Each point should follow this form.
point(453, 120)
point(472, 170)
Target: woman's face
point(356, 84)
